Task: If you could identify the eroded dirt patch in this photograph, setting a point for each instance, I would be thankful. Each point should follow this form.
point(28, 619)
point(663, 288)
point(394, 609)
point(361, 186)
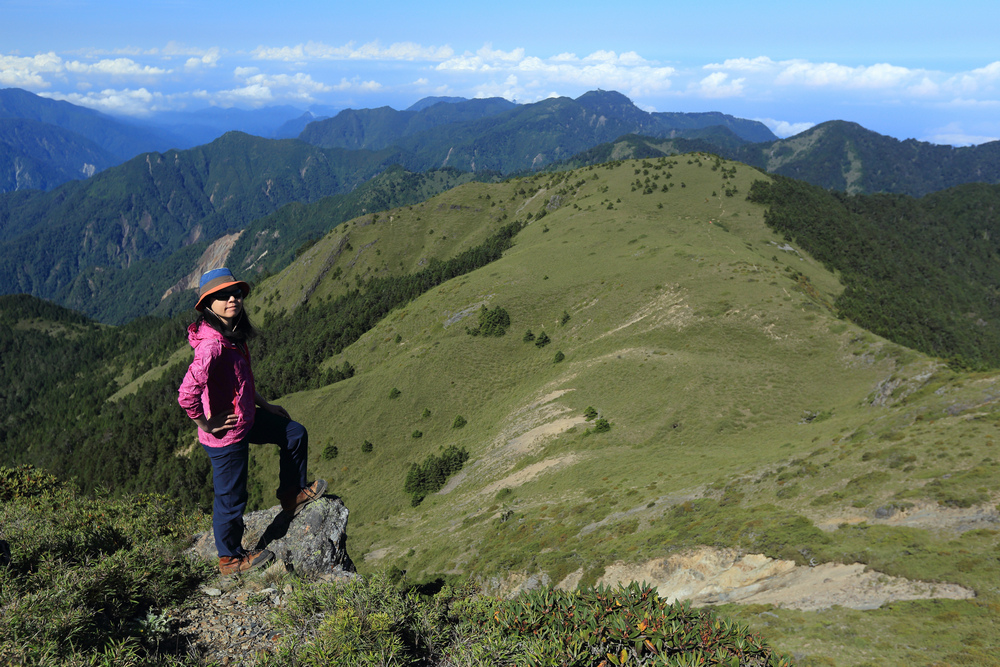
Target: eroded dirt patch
point(709, 576)
point(926, 515)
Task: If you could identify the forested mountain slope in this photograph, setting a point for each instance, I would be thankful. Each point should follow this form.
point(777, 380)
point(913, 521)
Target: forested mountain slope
point(121, 139)
point(36, 156)
point(513, 138)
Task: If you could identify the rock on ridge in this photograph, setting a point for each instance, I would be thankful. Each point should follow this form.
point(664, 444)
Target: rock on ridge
point(314, 542)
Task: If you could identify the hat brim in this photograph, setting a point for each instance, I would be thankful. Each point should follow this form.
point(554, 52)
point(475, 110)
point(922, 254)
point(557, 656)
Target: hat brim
point(207, 296)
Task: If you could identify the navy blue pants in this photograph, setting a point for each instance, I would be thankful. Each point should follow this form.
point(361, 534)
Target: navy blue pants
point(229, 474)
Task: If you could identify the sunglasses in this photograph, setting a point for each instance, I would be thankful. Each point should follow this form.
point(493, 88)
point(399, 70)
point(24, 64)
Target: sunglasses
point(225, 294)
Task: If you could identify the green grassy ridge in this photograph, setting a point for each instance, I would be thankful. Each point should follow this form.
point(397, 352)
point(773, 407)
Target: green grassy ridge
point(694, 315)
point(740, 390)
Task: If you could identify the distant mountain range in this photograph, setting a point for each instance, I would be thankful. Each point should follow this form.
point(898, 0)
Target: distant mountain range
point(44, 143)
point(836, 155)
point(500, 135)
point(142, 225)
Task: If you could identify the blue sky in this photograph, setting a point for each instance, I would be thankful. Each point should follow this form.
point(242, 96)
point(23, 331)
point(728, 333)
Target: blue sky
point(923, 70)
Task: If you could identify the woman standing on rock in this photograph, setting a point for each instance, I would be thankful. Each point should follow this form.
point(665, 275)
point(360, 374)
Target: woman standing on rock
point(218, 393)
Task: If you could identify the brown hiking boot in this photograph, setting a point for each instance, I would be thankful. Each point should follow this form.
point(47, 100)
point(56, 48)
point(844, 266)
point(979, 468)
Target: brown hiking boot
point(293, 503)
point(245, 563)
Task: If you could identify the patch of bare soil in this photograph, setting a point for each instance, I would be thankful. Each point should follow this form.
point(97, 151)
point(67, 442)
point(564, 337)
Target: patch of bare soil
point(926, 515)
point(528, 473)
point(709, 576)
point(529, 427)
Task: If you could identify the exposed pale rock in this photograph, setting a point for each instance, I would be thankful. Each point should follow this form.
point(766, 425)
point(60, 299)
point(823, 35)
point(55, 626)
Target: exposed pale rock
point(712, 576)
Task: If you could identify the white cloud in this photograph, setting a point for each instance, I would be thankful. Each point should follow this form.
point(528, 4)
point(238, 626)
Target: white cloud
point(718, 84)
point(119, 68)
point(628, 72)
point(925, 88)
point(401, 51)
point(260, 88)
point(953, 134)
point(758, 64)
point(965, 103)
point(128, 102)
point(209, 58)
point(783, 128)
point(358, 85)
point(881, 75)
point(27, 72)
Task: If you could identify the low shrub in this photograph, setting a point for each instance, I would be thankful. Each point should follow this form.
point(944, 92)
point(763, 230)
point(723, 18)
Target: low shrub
point(380, 621)
point(431, 475)
point(88, 575)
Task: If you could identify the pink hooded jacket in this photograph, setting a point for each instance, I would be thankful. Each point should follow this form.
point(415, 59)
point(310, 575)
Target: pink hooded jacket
point(218, 380)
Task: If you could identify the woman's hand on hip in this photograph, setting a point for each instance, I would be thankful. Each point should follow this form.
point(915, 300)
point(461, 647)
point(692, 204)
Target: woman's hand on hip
point(218, 423)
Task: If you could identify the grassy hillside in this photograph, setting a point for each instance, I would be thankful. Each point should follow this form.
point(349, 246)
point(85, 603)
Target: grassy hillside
point(743, 413)
point(739, 411)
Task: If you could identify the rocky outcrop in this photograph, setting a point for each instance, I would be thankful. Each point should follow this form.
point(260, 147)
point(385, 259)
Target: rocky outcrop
point(312, 543)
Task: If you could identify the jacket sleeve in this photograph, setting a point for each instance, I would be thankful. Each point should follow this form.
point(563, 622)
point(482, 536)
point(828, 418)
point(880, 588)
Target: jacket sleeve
point(196, 380)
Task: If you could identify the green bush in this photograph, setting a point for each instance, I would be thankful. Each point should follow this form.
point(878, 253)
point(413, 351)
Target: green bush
point(394, 393)
point(590, 413)
point(492, 323)
point(367, 447)
point(459, 422)
point(601, 425)
point(85, 572)
point(379, 620)
point(630, 625)
point(542, 340)
point(559, 357)
point(330, 451)
point(528, 336)
point(25, 481)
point(431, 475)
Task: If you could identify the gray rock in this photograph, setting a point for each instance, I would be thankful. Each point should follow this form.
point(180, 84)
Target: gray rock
point(314, 542)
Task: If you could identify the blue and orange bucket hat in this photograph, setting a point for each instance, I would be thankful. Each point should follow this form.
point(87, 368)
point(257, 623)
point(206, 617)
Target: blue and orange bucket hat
point(215, 280)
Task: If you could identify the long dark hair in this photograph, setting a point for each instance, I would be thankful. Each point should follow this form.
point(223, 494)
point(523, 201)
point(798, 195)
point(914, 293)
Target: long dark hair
point(241, 331)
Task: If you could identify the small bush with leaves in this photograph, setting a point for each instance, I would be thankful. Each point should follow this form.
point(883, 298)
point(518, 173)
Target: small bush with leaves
point(564, 319)
point(601, 425)
point(542, 340)
point(330, 451)
point(528, 336)
point(590, 413)
point(459, 422)
point(88, 575)
point(492, 323)
point(394, 393)
point(630, 625)
point(559, 357)
point(367, 447)
point(431, 475)
point(417, 434)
